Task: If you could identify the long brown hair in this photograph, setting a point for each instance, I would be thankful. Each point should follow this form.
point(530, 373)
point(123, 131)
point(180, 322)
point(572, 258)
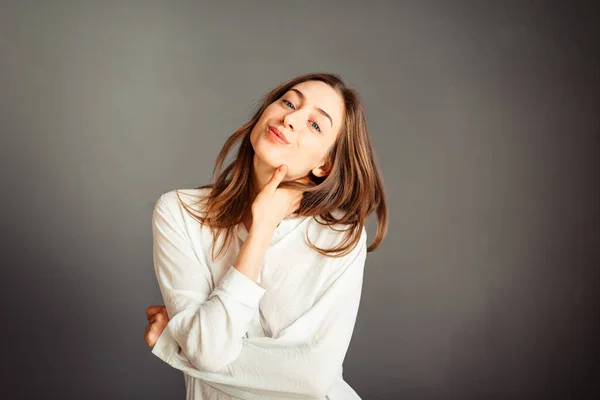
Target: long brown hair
point(354, 184)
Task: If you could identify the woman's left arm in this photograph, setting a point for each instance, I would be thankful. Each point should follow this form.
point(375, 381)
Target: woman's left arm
point(306, 359)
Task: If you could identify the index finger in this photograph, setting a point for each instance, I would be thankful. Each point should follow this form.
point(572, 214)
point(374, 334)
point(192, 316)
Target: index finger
point(277, 177)
point(150, 311)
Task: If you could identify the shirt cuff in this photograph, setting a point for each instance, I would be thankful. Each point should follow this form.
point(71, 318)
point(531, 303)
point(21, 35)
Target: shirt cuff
point(166, 347)
point(241, 288)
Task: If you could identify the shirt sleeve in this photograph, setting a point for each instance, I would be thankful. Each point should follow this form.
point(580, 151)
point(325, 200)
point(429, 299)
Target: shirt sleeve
point(305, 360)
point(207, 323)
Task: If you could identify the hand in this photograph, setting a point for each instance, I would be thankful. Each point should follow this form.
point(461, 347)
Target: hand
point(157, 320)
point(273, 204)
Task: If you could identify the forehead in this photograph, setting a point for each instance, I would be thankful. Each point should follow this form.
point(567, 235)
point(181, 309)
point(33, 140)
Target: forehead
point(321, 95)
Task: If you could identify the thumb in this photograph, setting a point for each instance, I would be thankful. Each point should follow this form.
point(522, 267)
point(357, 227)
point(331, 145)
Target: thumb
point(277, 177)
point(150, 311)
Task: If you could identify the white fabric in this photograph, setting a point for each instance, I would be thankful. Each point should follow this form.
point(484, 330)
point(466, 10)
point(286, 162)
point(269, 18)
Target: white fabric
point(282, 337)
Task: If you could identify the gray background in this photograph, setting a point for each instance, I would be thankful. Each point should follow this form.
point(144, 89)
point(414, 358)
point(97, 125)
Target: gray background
point(485, 118)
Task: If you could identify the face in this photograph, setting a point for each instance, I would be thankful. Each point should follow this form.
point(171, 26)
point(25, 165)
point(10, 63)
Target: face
point(298, 130)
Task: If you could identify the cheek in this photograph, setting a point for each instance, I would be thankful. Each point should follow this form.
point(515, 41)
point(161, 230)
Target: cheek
point(313, 150)
point(254, 134)
point(261, 123)
point(269, 113)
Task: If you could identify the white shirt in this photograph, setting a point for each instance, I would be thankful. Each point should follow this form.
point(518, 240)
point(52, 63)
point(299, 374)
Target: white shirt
point(284, 336)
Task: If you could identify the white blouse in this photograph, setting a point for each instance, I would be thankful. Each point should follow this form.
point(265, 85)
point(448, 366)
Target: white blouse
point(282, 337)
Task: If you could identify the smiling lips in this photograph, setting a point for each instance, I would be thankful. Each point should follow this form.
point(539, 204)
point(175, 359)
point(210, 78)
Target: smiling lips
point(278, 134)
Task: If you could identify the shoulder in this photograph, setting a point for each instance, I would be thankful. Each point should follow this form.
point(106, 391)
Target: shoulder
point(172, 197)
point(330, 236)
point(173, 201)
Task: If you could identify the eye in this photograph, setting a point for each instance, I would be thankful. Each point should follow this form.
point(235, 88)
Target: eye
point(289, 104)
point(315, 125)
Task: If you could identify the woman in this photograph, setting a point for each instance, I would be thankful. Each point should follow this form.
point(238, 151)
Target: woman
point(261, 272)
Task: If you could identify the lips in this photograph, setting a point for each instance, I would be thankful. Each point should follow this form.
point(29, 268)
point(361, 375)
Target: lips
point(278, 133)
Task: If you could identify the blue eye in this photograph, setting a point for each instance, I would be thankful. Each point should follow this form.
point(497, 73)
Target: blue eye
point(290, 104)
point(316, 126)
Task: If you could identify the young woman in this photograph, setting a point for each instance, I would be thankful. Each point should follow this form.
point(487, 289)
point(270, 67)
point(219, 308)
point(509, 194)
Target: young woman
point(261, 272)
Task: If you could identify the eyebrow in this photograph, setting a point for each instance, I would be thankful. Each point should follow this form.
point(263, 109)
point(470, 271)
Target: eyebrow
point(318, 109)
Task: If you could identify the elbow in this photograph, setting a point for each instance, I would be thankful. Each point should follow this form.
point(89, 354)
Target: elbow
point(205, 350)
point(321, 379)
point(211, 360)
point(319, 387)
point(207, 364)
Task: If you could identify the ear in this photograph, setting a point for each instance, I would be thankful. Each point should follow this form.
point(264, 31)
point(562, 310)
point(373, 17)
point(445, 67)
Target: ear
point(322, 170)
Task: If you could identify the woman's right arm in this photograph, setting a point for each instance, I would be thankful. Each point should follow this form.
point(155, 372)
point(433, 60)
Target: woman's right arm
point(207, 324)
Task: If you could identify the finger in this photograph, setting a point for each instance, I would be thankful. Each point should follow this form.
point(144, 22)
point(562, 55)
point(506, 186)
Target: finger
point(155, 328)
point(277, 177)
point(150, 338)
point(150, 311)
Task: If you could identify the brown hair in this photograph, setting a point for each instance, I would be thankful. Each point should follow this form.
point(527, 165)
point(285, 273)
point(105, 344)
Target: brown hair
point(354, 184)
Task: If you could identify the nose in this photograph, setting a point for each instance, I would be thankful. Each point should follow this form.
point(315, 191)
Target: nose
point(291, 119)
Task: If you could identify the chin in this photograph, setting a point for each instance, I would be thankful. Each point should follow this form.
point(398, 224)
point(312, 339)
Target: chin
point(266, 156)
point(267, 160)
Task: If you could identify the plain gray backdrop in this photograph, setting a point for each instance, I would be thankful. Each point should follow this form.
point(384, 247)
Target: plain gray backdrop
point(485, 120)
